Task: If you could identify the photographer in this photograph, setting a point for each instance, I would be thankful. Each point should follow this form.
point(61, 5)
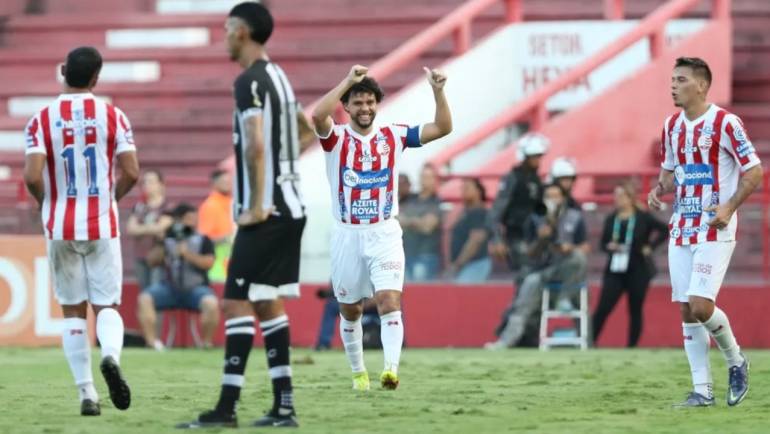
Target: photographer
point(186, 257)
point(556, 246)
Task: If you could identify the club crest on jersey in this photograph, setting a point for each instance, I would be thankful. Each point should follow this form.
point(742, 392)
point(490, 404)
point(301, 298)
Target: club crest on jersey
point(704, 142)
point(365, 180)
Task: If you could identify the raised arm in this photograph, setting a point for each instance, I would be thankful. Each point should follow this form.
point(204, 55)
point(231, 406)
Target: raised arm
point(322, 114)
point(442, 120)
point(306, 134)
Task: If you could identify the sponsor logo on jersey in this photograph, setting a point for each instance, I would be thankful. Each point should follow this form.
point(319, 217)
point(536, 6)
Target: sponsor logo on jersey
point(343, 208)
point(365, 180)
point(388, 204)
point(78, 123)
point(365, 209)
point(367, 158)
point(694, 174)
point(689, 207)
point(675, 233)
point(701, 268)
point(745, 149)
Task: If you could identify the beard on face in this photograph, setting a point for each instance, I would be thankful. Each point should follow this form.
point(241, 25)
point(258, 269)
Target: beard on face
point(355, 120)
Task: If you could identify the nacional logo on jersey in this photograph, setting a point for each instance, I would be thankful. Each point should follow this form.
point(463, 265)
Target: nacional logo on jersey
point(694, 174)
point(365, 180)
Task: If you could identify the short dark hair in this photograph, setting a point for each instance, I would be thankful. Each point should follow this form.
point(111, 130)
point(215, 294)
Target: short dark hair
point(699, 67)
point(216, 174)
point(480, 187)
point(367, 85)
point(182, 209)
point(83, 63)
point(257, 17)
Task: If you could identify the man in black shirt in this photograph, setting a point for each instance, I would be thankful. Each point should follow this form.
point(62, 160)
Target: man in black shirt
point(264, 266)
point(520, 192)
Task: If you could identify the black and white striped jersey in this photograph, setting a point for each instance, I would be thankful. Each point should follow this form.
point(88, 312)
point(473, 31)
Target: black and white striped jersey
point(263, 90)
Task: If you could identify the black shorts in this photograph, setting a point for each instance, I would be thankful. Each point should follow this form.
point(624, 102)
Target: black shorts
point(264, 263)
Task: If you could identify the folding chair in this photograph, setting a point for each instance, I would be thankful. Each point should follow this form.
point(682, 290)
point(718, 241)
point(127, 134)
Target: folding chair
point(580, 313)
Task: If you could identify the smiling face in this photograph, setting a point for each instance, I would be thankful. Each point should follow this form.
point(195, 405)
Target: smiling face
point(362, 108)
point(687, 88)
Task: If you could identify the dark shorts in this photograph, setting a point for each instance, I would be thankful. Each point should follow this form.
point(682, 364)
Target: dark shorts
point(165, 297)
point(264, 263)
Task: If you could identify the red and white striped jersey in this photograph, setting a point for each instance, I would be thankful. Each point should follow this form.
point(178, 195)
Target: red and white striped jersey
point(363, 170)
point(80, 136)
point(707, 156)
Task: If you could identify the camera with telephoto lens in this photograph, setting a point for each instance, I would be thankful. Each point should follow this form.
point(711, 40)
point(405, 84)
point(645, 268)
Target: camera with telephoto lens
point(179, 231)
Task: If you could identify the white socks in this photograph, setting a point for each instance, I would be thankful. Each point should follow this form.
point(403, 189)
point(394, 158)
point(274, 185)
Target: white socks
point(392, 336)
point(109, 330)
point(719, 327)
point(77, 349)
point(352, 338)
point(696, 346)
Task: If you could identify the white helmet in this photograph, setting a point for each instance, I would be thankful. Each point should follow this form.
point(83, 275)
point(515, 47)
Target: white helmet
point(563, 167)
point(533, 144)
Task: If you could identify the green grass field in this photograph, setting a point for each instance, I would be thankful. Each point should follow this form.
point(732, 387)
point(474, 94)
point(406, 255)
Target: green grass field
point(442, 391)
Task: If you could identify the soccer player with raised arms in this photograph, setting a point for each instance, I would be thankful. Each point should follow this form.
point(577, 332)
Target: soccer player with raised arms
point(367, 253)
point(710, 165)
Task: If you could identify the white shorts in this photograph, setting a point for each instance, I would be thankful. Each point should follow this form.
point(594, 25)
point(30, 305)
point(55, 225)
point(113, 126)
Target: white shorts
point(366, 259)
point(698, 269)
point(86, 271)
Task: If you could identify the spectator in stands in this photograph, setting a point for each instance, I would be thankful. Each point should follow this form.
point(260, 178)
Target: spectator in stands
point(469, 258)
point(147, 225)
point(520, 192)
point(404, 189)
point(215, 220)
point(556, 245)
point(420, 219)
point(564, 173)
point(630, 235)
point(186, 257)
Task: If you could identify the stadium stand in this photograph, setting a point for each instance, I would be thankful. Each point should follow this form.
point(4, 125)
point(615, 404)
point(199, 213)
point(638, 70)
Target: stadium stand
point(166, 67)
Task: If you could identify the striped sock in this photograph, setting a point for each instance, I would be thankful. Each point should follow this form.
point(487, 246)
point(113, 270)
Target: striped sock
point(276, 335)
point(239, 338)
